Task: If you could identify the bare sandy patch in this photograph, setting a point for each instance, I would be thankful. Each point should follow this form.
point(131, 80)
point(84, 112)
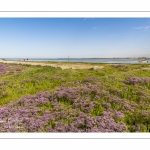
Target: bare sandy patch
point(56, 65)
point(145, 68)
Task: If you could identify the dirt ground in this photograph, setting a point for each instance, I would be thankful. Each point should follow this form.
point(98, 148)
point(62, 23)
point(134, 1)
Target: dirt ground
point(61, 65)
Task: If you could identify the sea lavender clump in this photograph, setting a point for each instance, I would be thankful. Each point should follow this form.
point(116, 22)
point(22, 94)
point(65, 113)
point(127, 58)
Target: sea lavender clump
point(3, 68)
point(74, 109)
point(10, 69)
point(132, 80)
point(79, 106)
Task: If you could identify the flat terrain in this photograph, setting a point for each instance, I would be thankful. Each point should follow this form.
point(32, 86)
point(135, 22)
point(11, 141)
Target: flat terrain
point(62, 65)
point(74, 97)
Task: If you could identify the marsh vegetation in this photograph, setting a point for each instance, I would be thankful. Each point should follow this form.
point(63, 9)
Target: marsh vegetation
point(112, 98)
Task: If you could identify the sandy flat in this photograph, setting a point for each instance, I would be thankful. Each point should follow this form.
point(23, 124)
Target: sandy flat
point(63, 66)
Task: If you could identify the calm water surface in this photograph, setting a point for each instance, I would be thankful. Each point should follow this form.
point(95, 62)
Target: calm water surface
point(95, 60)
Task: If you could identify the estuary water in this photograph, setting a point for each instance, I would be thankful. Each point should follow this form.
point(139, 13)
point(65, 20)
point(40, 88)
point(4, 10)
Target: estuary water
point(90, 60)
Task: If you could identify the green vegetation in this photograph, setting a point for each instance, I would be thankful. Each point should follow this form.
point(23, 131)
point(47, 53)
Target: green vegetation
point(126, 90)
point(34, 79)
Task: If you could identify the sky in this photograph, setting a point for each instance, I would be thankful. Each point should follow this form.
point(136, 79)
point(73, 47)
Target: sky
point(74, 37)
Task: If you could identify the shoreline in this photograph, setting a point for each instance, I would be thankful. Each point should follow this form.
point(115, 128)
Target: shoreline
point(56, 65)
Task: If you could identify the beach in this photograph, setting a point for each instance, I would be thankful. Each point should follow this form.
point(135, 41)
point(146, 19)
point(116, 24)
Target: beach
point(56, 65)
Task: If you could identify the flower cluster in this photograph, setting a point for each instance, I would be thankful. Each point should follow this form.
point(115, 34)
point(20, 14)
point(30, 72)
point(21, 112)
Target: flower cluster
point(80, 106)
point(76, 109)
point(135, 80)
point(9, 68)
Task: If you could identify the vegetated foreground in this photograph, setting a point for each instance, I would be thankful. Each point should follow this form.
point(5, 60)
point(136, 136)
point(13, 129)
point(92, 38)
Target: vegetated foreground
point(115, 98)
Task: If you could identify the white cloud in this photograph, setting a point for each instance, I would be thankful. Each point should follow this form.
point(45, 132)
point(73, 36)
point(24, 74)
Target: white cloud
point(85, 19)
point(94, 28)
point(139, 27)
point(145, 28)
point(113, 35)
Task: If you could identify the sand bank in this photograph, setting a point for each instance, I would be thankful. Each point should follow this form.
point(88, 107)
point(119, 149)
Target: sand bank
point(61, 65)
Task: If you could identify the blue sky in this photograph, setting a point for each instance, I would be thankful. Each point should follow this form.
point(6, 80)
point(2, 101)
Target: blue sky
point(76, 37)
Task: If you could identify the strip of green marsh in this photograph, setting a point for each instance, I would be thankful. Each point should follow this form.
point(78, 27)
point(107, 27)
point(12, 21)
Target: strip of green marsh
point(34, 79)
point(126, 90)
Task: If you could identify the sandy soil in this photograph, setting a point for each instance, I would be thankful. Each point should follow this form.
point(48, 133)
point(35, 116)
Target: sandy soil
point(63, 66)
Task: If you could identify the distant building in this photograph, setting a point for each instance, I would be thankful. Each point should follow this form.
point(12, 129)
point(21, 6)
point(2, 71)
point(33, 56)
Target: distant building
point(143, 61)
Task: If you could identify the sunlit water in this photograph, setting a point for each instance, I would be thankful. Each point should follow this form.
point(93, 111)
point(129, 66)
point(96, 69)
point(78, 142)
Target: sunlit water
point(95, 60)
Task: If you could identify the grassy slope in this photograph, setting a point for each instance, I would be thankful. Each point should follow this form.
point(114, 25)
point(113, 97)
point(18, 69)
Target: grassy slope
point(34, 79)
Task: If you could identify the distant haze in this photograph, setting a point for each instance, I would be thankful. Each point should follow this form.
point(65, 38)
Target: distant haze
point(74, 37)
